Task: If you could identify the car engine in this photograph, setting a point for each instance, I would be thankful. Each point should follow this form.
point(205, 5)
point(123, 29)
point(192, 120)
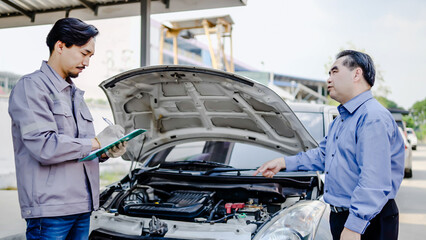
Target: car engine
point(169, 206)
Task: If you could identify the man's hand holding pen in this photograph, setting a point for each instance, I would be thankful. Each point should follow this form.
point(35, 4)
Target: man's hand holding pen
point(109, 135)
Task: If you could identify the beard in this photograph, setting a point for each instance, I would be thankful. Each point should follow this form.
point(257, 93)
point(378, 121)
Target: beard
point(72, 75)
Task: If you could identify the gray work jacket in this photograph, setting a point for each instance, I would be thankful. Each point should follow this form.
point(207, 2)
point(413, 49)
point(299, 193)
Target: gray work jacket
point(52, 128)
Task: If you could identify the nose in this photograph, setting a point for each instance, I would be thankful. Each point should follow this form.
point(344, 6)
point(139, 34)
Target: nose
point(86, 61)
point(329, 80)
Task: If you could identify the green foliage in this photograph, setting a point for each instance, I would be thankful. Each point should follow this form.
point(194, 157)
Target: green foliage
point(387, 103)
point(418, 115)
point(109, 177)
point(9, 188)
point(418, 111)
point(98, 101)
point(409, 121)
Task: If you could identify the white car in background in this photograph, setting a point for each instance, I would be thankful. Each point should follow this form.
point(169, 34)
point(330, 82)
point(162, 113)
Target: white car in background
point(315, 117)
point(408, 173)
point(408, 169)
point(412, 138)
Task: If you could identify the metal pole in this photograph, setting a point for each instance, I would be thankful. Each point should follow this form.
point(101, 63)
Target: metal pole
point(145, 32)
point(207, 32)
point(161, 57)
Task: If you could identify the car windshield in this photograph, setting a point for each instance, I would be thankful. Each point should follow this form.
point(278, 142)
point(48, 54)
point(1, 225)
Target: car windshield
point(314, 123)
point(235, 154)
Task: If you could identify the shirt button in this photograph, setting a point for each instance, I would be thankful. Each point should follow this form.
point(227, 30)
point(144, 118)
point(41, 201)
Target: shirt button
point(342, 120)
point(332, 155)
point(337, 137)
point(326, 172)
point(326, 190)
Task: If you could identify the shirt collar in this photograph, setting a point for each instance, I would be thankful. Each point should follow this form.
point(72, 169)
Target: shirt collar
point(57, 81)
point(355, 102)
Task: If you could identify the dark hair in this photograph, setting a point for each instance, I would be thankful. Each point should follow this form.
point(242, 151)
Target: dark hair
point(358, 59)
point(71, 31)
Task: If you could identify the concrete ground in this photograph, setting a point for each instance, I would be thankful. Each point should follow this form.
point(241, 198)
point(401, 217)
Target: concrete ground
point(12, 226)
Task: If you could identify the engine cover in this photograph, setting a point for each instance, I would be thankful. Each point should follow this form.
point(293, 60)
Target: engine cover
point(181, 204)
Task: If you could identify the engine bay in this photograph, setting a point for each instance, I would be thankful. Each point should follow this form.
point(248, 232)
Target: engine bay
point(162, 198)
point(186, 205)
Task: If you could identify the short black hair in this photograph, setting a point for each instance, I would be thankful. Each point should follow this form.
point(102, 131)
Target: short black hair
point(358, 59)
point(71, 31)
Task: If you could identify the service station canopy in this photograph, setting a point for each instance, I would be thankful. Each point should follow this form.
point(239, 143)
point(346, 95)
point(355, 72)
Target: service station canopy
point(19, 13)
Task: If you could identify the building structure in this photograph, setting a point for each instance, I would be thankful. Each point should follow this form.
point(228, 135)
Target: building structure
point(192, 52)
point(7, 82)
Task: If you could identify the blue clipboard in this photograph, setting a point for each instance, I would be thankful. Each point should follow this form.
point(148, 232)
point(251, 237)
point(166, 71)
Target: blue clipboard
point(99, 152)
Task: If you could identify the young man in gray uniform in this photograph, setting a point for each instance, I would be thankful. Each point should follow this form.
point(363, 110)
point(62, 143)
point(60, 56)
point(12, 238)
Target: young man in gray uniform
point(362, 156)
point(52, 129)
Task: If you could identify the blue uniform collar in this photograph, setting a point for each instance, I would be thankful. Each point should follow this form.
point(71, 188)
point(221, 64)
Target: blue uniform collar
point(57, 81)
point(353, 104)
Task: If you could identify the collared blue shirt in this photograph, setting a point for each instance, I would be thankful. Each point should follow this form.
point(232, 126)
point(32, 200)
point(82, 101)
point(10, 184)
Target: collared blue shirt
point(362, 157)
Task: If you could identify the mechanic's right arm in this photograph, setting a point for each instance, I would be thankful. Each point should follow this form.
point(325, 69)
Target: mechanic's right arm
point(312, 160)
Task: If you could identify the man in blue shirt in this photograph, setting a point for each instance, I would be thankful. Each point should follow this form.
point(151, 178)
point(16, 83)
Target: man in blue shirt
point(362, 155)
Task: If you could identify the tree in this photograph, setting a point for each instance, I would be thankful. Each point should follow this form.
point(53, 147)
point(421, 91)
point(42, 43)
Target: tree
point(418, 111)
point(387, 103)
point(418, 118)
point(409, 121)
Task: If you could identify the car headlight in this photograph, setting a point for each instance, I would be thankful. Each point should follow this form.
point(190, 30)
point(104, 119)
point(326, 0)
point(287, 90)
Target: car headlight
point(297, 222)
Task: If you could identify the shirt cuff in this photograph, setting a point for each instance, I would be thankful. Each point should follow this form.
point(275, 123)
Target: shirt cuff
point(356, 224)
point(86, 147)
point(291, 163)
point(103, 159)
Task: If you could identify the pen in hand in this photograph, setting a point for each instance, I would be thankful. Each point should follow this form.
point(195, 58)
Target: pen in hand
point(107, 121)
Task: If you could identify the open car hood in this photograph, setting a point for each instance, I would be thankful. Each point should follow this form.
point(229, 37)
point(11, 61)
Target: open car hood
point(178, 104)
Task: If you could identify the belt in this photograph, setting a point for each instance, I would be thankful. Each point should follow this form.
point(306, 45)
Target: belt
point(338, 209)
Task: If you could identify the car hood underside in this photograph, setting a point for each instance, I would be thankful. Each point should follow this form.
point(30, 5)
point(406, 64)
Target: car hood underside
point(179, 103)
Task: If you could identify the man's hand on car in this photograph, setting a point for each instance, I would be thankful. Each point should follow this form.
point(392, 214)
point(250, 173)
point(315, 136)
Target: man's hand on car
point(270, 168)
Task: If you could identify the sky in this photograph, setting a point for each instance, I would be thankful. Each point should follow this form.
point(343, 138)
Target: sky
point(290, 37)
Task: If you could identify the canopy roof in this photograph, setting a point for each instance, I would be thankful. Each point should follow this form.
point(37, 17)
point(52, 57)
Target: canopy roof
point(17, 13)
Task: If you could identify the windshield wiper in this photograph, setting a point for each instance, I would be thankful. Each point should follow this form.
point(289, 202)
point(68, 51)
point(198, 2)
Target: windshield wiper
point(194, 163)
point(222, 170)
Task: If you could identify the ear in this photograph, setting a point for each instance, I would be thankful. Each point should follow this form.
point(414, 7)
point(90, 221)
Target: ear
point(59, 46)
point(358, 74)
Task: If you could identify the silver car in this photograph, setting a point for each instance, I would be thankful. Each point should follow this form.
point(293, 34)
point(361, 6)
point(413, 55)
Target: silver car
point(207, 132)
